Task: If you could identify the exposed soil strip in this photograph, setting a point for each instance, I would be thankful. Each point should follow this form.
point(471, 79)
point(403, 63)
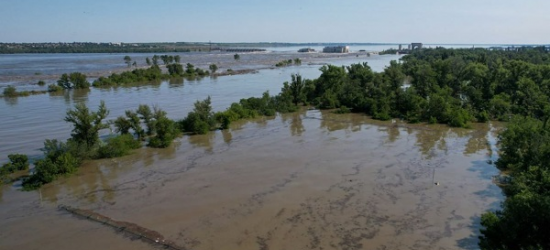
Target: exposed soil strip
point(149, 236)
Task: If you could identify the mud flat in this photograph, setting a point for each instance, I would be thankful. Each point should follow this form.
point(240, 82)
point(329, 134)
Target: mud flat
point(308, 180)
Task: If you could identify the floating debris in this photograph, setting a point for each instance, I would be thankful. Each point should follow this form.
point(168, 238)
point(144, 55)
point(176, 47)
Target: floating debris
point(144, 234)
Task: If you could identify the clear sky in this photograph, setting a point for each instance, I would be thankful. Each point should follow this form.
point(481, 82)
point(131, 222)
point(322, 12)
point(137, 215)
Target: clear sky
point(377, 21)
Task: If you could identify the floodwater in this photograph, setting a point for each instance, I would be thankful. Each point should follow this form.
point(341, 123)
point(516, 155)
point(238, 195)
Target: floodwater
point(28, 121)
point(24, 69)
point(307, 180)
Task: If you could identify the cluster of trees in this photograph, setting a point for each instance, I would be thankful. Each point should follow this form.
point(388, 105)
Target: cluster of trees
point(524, 219)
point(288, 62)
point(61, 158)
point(454, 87)
point(151, 74)
point(11, 92)
point(202, 119)
point(17, 162)
point(160, 130)
point(176, 70)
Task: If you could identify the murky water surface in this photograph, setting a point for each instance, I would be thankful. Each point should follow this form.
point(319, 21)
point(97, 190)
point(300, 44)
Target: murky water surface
point(306, 180)
point(28, 121)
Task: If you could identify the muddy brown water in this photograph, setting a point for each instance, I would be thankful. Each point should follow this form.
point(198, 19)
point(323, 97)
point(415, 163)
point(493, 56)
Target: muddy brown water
point(307, 180)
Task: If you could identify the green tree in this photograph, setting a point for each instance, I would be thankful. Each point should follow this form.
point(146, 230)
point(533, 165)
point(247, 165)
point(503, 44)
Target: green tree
point(297, 89)
point(87, 124)
point(213, 68)
point(75, 80)
point(10, 91)
point(201, 119)
point(146, 115)
point(148, 61)
point(177, 58)
point(236, 57)
point(128, 60)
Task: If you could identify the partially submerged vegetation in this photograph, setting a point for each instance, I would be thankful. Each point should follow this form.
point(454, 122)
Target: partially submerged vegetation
point(11, 92)
point(18, 162)
point(288, 62)
point(453, 87)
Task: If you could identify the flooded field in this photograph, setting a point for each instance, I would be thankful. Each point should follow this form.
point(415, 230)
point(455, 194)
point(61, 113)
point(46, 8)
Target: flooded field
point(307, 180)
point(28, 121)
point(25, 69)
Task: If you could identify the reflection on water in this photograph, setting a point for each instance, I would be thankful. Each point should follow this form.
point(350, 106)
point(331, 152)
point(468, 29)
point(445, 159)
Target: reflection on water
point(203, 141)
point(21, 134)
point(293, 181)
point(10, 101)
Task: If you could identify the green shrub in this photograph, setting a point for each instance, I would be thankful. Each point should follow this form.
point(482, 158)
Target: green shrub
point(10, 91)
point(342, 110)
point(41, 83)
point(47, 170)
point(54, 88)
point(166, 132)
point(118, 146)
point(17, 162)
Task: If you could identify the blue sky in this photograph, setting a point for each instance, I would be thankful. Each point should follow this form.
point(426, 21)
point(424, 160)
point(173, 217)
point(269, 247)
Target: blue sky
point(392, 21)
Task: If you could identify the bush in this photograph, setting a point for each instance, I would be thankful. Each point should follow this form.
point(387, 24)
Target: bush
point(459, 118)
point(54, 88)
point(193, 123)
point(10, 91)
point(47, 170)
point(17, 162)
point(118, 146)
point(166, 132)
point(41, 83)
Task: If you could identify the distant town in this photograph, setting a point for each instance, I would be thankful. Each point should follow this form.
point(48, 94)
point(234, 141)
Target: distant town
point(120, 47)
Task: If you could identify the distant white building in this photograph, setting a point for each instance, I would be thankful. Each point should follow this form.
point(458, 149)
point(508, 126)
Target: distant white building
point(336, 49)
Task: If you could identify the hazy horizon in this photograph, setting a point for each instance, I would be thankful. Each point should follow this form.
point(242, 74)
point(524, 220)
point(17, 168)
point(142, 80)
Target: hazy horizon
point(284, 21)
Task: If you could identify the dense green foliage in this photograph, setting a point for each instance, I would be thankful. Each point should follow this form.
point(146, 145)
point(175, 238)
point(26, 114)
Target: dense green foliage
point(17, 162)
point(10, 91)
point(86, 124)
point(454, 87)
point(524, 221)
point(160, 130)
point(151, 74)
point(59, 160)
point(75, 80)
point(118, 146)
point(288, 62)
point(213, 68)
point(65, 157)
point(202, 119)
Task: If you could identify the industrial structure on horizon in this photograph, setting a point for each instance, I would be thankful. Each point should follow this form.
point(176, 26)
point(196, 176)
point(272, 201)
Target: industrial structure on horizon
point(410, 47)
point(336, 49)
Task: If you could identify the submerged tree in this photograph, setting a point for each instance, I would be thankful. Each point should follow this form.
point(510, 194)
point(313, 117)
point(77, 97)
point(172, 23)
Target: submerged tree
point(213, 68)
point(128, 60)
point(87, 124)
